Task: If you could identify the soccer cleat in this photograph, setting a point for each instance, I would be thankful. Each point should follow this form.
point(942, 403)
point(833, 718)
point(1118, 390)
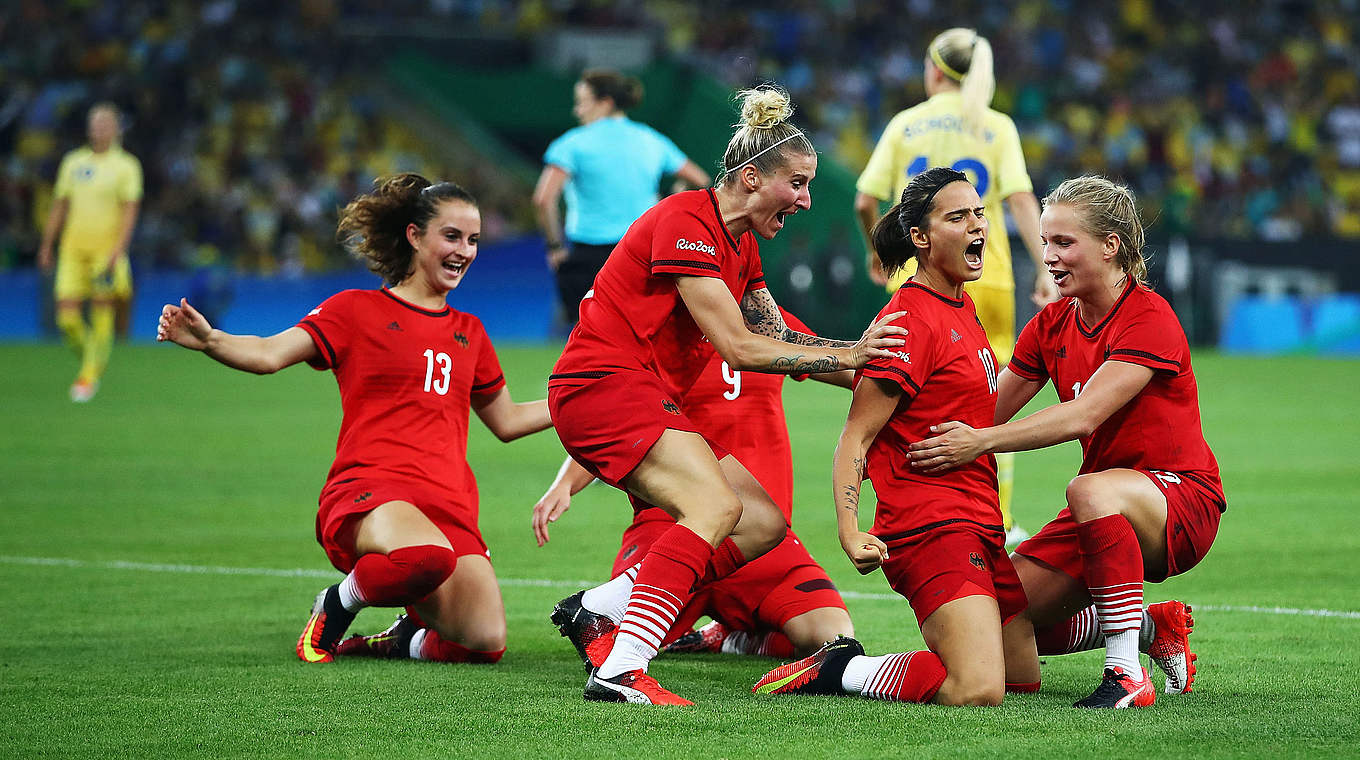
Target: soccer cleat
point(591, 633)
point(393, 643)
point(1016, 535)
point(1118, 689)
point(83, 391)
point(818, 673)
point(635, 687)
point(1170, 647)
point(324, 627)
point(708, 639)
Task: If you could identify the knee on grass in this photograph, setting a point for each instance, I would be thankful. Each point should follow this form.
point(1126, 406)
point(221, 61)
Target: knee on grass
point(974, 692)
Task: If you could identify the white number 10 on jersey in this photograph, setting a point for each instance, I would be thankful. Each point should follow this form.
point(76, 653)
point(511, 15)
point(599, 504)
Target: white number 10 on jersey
point(989, 365)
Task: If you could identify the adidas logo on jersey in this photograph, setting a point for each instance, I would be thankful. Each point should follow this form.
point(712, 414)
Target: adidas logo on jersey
point(394, 326)
point(695, 245)
point(954, 336)
point(1061, 353)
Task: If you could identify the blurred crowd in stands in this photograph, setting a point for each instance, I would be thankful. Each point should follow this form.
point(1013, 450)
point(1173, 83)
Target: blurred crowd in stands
point(1230, 119)
point(254, 123)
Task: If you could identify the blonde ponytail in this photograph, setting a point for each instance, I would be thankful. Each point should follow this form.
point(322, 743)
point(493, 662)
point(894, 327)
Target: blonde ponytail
point(965, 56)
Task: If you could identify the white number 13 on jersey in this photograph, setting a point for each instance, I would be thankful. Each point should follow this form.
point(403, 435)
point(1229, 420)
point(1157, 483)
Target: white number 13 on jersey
point(440, 384)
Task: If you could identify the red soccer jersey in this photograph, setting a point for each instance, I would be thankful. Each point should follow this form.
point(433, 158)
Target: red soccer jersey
point(946, 371)
point(633, 318)
point(1159, 429)
point(406, 378)
point(744, 413)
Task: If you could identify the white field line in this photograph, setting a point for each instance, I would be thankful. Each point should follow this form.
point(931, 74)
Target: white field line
point(299, 572)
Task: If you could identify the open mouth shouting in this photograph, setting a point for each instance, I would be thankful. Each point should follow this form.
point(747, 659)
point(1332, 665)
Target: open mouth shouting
point(972, 255)
point(1059, 275)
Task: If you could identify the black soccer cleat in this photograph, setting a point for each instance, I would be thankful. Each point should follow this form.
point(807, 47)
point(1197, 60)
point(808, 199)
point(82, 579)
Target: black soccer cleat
point(392, 644)
point(818, 673)
point(1119, 689)
point(324, 628)
point(590, 632)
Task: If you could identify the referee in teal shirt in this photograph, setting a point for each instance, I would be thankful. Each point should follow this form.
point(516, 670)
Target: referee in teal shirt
point(611, 168)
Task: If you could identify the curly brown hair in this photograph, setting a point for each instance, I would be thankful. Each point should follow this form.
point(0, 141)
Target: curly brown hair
point(373, 226)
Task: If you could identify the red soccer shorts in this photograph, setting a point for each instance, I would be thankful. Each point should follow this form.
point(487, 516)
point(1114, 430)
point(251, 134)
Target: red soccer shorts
point(941, 565)
point(761, 595)
point(1192, 515)
point(609, 425)
point(344, 503)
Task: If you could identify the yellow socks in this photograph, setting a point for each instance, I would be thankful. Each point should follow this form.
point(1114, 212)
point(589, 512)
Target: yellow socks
point(98, 343)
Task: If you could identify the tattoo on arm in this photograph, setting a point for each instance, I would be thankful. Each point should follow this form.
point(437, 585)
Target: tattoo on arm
point(850, 499)
point(799, 365)
point(803, 339)
point(763, 318)
point(762, 314)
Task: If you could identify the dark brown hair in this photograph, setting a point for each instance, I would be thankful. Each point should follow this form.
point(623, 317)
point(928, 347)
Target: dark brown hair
point(373, 226)
point(624, 90)
point(891, 236)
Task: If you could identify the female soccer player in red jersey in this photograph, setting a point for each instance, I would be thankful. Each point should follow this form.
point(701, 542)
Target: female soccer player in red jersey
point(1147, 500)
point(938, 538)
point(398, 513)
point(687, 269)
point(781, 602)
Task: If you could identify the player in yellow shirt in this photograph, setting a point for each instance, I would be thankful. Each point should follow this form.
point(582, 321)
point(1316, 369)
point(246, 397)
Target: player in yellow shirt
point(96, 200)
point(957, 128)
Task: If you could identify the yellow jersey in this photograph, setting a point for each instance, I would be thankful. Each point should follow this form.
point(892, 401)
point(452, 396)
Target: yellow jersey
point(932, 134)
point(97, 185)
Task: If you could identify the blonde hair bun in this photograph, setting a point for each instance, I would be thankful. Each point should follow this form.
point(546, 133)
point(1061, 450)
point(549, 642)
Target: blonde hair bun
point(764, 107)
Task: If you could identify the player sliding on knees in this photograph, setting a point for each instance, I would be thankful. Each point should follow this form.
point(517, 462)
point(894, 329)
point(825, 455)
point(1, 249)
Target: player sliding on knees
point(938, 538)
point(776, 605)
point(398, 513)
point(687, 270)
point(1147, 501)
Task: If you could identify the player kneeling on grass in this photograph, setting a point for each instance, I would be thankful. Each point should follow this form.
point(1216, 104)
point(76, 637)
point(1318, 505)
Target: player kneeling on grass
point(398, 513)
point(938, 538)
point(778, 604)
point(1147, 501)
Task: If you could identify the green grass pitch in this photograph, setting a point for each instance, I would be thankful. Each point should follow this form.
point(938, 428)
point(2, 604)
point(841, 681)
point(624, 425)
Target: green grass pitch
point(157, 562)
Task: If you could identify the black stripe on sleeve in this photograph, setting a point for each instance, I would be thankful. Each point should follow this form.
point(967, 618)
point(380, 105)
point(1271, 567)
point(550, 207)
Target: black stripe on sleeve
point(592, 375)
point(1143, 355)
point(478, 388)
point(1034, 373)
point(873, 368)
point(321, 338)
point(686, 264)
